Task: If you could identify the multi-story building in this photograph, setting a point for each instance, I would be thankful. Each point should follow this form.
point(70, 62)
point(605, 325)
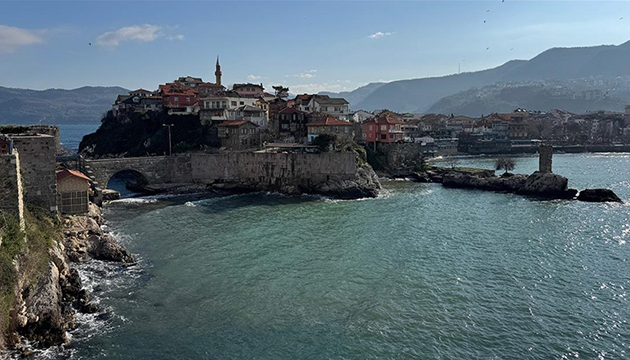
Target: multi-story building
point(383, 129)
point(330, 126)
point(291, 122)
point(335, 107)
point(239, 134)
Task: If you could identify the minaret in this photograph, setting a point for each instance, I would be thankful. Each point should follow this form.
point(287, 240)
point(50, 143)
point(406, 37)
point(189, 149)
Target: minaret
point(217, 73)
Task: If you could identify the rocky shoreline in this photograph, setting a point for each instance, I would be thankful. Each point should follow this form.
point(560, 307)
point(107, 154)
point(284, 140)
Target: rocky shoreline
point(364, 184)
point(539, 184)
point(46, 311)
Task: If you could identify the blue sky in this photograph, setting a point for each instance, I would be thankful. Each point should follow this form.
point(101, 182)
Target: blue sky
point(309, 46)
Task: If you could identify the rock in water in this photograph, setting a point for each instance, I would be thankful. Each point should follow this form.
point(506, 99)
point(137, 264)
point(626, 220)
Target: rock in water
point(598, 195)
point(547, 185)
point(106, 248)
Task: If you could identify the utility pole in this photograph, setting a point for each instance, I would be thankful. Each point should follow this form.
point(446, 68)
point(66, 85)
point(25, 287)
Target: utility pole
point(169, 138)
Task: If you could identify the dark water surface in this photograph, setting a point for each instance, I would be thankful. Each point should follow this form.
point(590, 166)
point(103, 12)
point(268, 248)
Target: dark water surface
point(71, 134)
point(420, 272)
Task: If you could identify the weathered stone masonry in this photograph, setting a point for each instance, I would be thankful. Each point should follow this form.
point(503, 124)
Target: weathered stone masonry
point(37, 162)
point(11, 197)
point(264, 168)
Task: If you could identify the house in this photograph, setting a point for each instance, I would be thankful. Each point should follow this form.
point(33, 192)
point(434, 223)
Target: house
point(361, 115)
point(249, 89)
point(291, 122)
point(335, 107)
point(141, 93)
point(239, 134)
point(330, 126)
point(248, 113)
point(223, 106)
point(383, 129)
point(72, 192)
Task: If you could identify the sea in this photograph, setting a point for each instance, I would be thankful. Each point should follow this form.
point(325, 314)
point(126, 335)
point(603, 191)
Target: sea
point(420, 272)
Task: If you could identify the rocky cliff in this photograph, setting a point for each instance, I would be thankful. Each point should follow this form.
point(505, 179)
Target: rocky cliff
point(47, 291)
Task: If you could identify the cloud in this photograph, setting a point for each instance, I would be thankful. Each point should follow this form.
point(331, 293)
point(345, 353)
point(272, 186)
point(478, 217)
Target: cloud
point(253, 77)
point(307, 74)
point(378, 35)
point(179, 37)
point(143, 33)
point(11, 38)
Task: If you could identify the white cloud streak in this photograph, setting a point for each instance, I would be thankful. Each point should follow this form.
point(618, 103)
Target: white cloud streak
point(379, 34)
point(12, 38)
point(253, 77)
point(179, 37)
point(307, 74)
point(142, 33)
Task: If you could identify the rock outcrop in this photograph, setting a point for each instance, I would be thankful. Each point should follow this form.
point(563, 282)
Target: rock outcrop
point(469, 181)
point(545, 185)
point(365, 184)
point(598, 195)
point(548, 185)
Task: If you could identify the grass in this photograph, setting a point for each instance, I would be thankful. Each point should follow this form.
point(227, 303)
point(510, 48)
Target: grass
point(30, 248)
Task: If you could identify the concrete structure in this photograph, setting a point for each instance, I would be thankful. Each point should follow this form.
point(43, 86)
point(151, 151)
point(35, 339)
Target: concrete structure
point(37, 159)
point(73, 190)
point(11, 196)
point(255, 168)
point(545, 158)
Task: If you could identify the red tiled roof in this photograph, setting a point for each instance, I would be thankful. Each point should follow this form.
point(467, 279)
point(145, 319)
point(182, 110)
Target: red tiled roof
point(235, 123)
point(65, 173)
point(387, 119)
point(291, 110)
point(329, 121)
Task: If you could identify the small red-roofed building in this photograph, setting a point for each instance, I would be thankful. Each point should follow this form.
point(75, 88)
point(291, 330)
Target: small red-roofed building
point(330, 126)
point(73, 190)
point(239, 134)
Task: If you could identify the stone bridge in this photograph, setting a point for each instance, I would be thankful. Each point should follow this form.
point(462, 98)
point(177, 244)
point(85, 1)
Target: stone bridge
point(152, 170)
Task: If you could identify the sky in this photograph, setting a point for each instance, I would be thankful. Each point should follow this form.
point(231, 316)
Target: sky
point(309, 46)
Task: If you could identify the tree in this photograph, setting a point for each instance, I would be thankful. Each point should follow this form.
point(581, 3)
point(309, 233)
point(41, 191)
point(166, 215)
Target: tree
point(324, 142)
point(452, 162)
point(505, 163)
point(281, 91)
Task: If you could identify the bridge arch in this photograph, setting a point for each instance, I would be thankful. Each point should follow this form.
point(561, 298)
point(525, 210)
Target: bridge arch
point(148, 170)
point(127, 178)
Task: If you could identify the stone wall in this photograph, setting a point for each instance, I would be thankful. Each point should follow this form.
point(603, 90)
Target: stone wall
point(37, 161)
point(239, 167)
point(272, 168)
point(402, 157)
point(11, 197)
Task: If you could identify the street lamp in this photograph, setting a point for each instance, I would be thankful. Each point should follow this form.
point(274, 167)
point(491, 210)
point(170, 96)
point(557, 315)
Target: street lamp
point(169, 138)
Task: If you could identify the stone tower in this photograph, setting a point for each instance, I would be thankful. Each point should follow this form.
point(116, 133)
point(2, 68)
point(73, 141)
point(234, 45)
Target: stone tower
point(544, 158)
point(217, 72)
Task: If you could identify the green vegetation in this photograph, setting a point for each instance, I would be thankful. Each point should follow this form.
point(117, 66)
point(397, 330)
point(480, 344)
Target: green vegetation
point(12, 245)
point(29, 247)
point(324, 142)
point(143, 134)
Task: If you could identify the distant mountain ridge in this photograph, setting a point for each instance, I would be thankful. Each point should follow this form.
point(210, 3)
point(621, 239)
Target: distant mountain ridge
point(418, 95)
point(83, 105)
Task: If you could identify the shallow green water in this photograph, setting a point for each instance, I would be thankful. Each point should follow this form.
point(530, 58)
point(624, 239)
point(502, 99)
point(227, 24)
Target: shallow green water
point(420, 272)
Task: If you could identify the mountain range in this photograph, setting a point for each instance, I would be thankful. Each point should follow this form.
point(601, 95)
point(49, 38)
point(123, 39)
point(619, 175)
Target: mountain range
point(556, 78)
point(56, 106)
point(419, 95)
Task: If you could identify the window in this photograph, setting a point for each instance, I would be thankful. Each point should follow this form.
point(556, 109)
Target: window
point(383, 137)
point(233, 103)
point(224, 103)
point(383, 127)
point(187, 99)
point(176, 99)
point(370, 127)
point(285, 126)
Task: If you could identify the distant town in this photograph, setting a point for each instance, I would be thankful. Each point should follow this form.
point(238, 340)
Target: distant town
point(248, 117)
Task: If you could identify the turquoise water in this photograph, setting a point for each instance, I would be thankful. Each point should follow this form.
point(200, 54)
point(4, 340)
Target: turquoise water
point(71, 134)
point(420, 272)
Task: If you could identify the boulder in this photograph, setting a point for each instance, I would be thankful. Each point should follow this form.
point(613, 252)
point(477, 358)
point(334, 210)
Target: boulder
point(364, 184)
point(598, 195)
point(106, 248)
point(547, 185)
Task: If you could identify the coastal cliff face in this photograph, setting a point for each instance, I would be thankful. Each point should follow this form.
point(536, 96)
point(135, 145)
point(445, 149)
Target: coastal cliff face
point(47, 290)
